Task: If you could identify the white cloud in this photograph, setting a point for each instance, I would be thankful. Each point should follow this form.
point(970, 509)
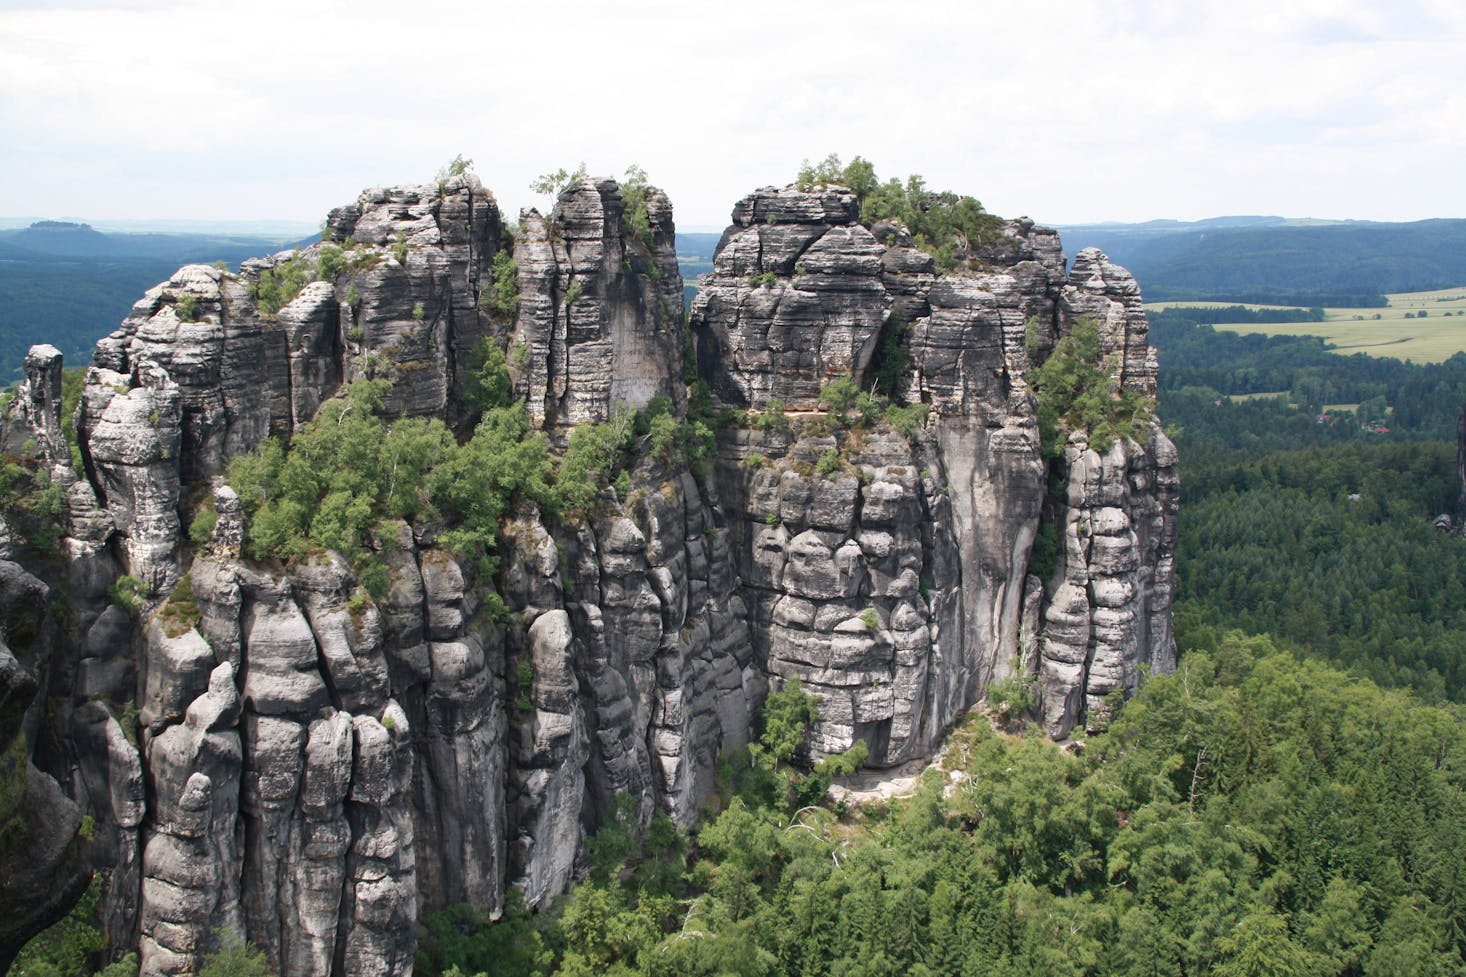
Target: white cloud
point(1127, 110)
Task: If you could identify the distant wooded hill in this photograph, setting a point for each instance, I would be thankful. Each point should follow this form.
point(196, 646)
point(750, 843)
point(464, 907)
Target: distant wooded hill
point(1270, 259)
point(69, 284)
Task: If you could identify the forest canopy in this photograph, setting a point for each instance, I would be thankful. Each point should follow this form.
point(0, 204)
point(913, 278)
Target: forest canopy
point(1249, 815)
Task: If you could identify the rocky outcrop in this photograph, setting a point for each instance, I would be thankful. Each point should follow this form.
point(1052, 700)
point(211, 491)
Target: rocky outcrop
point(600, 305)
point(1108, 616)
point(34, 415)
point(1110, 296)
point(837, 568)
point(802, 295)
point(42, 865)
point(795, 300)
point(210, 363)
point(269, 750)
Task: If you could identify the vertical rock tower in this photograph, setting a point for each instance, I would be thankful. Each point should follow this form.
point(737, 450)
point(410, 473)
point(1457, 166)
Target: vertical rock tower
point(933, 532)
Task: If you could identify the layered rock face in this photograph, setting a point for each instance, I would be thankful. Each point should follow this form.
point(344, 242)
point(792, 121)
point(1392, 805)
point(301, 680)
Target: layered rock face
point(600, 309)
point(209, 364)
point(42, 865)
point(934, 536)
point(276, 754)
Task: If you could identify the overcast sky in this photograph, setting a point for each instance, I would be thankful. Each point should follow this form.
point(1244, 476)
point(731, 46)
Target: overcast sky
point(1068, 112)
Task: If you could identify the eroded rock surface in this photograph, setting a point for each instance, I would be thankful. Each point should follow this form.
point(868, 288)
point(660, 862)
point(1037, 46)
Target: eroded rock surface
point(210, 363)
point(600, 306)
point(42, 865)
point(803, 295)
point(297, 762)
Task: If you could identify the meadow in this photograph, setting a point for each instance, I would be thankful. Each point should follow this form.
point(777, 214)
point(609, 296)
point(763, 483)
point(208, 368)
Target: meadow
point(1424, 327)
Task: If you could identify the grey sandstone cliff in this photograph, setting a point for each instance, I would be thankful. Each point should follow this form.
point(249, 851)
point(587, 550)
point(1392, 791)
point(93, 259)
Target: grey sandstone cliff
point(600, 309)
point(935, 535)
point(315, 770)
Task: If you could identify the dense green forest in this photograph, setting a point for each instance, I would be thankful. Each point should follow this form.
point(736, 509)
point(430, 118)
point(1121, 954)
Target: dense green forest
point(1317, 528)
point(1333, 550)
point(1243, 313)
point(1424, 399)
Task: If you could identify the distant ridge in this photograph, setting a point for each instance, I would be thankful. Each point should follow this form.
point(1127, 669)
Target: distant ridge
point(1245, 258)
point(154, 225)
point(72, 239)
point(62, 239)
point(1165, 225)
point(68, 283)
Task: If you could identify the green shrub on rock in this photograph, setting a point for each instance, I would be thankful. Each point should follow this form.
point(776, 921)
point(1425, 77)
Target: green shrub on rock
point(1076, 392)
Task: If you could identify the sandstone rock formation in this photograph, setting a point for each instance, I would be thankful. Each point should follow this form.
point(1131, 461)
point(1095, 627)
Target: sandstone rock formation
point(42, 865)
point(209, 363)
point(936, 535)
point(600, 309)
point(271, 752)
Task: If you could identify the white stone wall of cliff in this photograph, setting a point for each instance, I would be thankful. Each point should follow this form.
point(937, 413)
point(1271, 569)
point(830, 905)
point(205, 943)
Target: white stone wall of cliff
point(84, 673)
point(1108, 616)
point(43, 859)
point(1109, 613)
point(321, 769)
point(354, 813)
point(795, 300)
point(835, 569)
point(205, 367)
point(661, 643)
point(343, 765)
point(197, 374)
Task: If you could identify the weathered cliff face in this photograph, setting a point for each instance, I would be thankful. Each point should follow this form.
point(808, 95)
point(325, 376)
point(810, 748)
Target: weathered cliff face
point(1108, 613)
point(42, 866)
point(936, 536)
point(600, 305)
point(795, 300)
point(270, 751)
point(209, 363)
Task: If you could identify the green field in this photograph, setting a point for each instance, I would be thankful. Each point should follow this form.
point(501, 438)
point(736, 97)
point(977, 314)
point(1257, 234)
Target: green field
point(1269, 395)
point(1282, 394)
point(1433, 338)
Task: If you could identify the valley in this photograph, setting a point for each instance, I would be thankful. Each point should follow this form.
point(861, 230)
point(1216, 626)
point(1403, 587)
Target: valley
point(1423, 327)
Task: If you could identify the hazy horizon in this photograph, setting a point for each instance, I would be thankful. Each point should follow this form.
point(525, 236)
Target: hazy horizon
point(264, 227)
point(1140, 110)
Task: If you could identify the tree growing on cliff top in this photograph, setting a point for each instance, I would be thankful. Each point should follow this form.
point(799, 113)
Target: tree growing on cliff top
point(352, 468)
point(553, 184)
point(953, 228)
point(457, 166)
